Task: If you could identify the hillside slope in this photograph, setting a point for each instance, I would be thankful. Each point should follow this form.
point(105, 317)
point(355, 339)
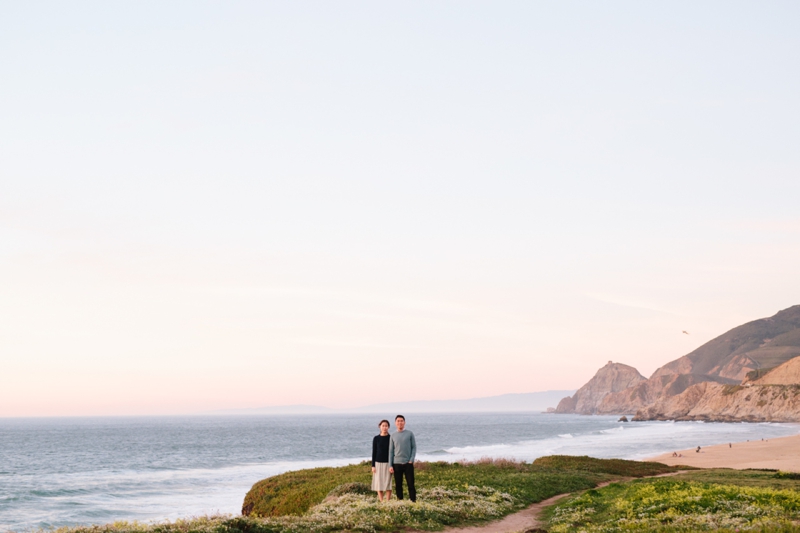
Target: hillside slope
point(786, 374)
point(752, 347)
point(762, 343)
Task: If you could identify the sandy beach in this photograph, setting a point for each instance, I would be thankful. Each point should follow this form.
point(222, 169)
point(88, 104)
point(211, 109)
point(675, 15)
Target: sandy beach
point(780, 453)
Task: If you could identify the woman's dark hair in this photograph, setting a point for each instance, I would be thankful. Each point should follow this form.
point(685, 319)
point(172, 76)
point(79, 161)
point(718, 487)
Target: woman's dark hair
point(400, 416)
point(382, 421)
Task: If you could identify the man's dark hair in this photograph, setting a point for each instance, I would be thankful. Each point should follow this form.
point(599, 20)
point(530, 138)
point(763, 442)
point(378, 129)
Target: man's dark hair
point(382, 421)
point(400, 416)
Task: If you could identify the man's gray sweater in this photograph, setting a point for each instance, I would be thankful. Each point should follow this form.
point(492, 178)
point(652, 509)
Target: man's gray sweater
point(402, 448)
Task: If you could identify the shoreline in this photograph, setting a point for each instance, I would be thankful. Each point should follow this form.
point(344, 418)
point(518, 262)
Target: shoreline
point(779, 453)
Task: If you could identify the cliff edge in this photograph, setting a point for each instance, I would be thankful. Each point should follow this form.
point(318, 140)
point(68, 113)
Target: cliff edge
point(774, 397)
point(613, 377)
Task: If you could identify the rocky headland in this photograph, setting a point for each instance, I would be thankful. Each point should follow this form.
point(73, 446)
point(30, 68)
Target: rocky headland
point(751, 373)
point(614, 377)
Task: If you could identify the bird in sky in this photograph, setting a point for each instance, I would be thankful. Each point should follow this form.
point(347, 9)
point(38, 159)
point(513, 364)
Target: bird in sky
point(686, 332)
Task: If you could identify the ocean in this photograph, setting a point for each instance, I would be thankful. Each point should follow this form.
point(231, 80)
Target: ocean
point(69, 471)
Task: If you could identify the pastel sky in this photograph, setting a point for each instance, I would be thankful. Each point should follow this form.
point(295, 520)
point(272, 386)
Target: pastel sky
point(211, 205)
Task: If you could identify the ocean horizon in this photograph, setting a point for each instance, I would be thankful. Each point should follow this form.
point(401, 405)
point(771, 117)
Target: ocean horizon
point(94, 470)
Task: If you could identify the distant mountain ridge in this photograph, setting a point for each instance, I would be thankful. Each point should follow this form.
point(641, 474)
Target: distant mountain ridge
point(517, 402)
point(531, 401)
point(704, 381)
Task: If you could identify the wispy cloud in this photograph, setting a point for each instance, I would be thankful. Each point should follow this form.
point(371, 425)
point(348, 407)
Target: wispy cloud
point(256, 292)
point(357, 344)
point(625, 302)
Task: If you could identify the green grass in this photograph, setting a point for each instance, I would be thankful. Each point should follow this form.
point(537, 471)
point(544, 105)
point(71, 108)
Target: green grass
point(701, 500)
point(293, 493)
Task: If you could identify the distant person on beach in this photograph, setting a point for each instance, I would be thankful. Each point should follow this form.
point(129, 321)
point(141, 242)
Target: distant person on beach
point(402, 451)
point(381, 477)
point(698, 449)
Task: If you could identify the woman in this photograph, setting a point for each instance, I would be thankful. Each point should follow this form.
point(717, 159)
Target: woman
point(381, 478)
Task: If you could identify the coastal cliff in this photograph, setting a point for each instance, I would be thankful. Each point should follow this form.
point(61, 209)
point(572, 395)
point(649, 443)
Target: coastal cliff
point(652, 390)
point(613, 377)
point(714, 402)
point(751, 372)
point(775, 397)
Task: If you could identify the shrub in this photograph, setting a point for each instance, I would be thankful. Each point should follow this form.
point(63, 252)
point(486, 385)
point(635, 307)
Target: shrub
point(727, 390)
point(617, 467)
point(787, 475)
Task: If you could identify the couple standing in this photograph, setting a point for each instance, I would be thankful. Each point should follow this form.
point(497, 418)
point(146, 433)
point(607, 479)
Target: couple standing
point(393, 454)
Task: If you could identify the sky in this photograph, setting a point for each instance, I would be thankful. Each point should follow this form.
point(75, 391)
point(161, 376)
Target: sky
point(216, 205)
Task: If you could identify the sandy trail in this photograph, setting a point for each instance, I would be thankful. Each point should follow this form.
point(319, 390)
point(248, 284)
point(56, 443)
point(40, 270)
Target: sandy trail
point(782, 453)
point(528, 518)
point(523, 520)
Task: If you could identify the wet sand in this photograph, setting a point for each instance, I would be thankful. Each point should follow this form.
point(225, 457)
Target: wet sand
point(781, 453)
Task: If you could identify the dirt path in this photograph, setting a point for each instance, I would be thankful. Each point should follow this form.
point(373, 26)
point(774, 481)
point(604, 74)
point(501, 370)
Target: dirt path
point(528, 518)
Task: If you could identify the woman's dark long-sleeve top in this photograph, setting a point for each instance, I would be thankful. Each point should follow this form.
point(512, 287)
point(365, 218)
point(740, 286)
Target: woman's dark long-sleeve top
point(380, 449)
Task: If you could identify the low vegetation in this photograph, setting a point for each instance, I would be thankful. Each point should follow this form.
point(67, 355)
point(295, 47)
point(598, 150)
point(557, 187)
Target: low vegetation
point(324, 500)
point(615, 467)
point(295, 493)
point(765, 478)
point(703, 500)
point(758, 373)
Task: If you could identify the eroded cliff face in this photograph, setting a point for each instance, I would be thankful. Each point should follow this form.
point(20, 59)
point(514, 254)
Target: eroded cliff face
point(613, 377)
point(716, 402)
point(774, 397)
point(658, 387)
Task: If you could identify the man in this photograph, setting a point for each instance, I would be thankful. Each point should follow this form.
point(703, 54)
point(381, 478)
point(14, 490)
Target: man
point(402, 451)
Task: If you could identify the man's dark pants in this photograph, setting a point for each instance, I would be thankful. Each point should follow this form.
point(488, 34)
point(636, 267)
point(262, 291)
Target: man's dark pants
point(407, 470)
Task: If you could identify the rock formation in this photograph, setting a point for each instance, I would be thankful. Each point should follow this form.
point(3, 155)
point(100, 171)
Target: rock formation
point(651, 390)
point(613, 377)
point(748, 373)
point(774, 397)
point(715, 402)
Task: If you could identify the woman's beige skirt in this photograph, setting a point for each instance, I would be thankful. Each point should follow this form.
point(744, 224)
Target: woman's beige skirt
point(381, 479)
